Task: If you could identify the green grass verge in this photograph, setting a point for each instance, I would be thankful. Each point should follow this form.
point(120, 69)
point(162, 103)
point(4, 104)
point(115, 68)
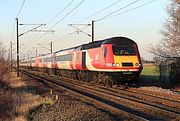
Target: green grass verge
point(150, 70)
point(150, 73)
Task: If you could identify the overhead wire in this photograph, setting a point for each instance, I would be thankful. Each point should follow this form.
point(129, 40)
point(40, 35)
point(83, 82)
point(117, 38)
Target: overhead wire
point(110, 15)
point(98, 11)
point(65, 37)
point(21, 8)
point(64, 17)
point(67, 14)
point(56, 16)
point(91, 16)
point(117, 10)
point(16, 17)
point(60, 12)
point(70, 33)
point(147, 3)
point(132, 9)
point(59, 33)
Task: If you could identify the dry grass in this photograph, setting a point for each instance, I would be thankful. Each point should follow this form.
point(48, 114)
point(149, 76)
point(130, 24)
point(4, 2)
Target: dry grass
point(3, 68)
point(15, 102)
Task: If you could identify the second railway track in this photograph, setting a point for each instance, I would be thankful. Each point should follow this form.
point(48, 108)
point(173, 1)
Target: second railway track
point(124, 104)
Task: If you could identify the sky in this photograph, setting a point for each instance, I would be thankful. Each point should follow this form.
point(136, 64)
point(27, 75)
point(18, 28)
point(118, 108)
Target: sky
point(142, 25)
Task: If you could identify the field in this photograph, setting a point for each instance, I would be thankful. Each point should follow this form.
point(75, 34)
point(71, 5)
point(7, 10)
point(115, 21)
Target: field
point(150, 70)
point(150, 75)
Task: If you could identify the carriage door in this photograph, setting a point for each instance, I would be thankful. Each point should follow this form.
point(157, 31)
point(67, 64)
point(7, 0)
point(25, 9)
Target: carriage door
point(83, 60)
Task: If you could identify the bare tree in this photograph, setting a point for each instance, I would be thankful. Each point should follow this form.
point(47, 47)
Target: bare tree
point(169, 47)
point(3, 63)
point(2, 51)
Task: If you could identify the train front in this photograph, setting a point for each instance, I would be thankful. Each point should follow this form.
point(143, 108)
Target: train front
point(121, 56)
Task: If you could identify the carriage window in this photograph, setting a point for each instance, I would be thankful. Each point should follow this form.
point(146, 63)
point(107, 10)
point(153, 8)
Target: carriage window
point(67, 57)
point(118, 50)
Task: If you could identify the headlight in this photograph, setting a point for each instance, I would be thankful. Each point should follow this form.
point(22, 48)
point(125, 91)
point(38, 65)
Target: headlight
point(115, 64)
point(138, 64)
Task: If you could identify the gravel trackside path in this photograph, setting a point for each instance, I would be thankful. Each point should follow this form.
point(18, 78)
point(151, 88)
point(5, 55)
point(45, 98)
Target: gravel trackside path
point(67, 108)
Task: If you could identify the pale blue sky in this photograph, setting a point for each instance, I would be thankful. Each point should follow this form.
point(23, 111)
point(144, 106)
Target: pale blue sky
point(142, 25)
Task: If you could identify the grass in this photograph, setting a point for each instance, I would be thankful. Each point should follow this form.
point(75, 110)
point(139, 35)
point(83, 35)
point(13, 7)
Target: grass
point(15, 102)
point(150, 70)
point(150, 75)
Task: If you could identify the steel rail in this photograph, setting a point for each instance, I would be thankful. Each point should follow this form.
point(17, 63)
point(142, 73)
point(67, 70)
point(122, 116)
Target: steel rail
point(96, 100)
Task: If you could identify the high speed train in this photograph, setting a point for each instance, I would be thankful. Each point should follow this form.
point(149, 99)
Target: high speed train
point(109, 61)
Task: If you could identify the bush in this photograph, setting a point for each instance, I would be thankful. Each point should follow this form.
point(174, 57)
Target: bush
point(6, 104)
point(3, 68)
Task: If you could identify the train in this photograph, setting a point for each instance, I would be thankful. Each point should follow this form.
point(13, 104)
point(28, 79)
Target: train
point(110, 61)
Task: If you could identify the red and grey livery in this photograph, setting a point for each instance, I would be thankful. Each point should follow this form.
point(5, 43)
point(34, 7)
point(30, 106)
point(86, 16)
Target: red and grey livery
point(108, 61)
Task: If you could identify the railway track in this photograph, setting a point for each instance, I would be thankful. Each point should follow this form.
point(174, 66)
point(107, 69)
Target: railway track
point(159, 109)
point(114, 100)
point(165, 99)
point(165, 104)
point(154, 94)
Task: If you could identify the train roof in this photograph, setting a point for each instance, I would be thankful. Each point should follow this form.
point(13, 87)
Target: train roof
point(113, 40)
point(67, 49)
point(119, 41)
point(92, 45)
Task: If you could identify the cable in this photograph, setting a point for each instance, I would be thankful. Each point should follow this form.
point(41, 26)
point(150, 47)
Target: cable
point(67, 14)
point(57, 16)
point(69, 34)
point(63, 17)
point(117, 10)
point(20, 8)
point(65, 37)
point(95, 14)
point(132, 9)
point(98, 11)
point(60, 12)
point(63, 32)
point(59, 33)
point(45, 34)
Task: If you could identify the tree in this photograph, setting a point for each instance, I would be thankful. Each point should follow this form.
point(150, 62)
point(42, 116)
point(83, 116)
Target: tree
point(2, 51)
point(3, 63)
point(168, 49)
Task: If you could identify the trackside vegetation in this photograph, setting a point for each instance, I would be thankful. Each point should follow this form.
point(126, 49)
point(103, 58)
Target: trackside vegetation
point(15, 99)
